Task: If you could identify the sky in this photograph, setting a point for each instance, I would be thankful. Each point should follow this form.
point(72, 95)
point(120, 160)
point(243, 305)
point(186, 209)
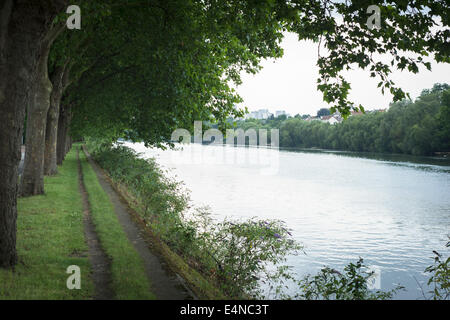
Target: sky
point(289, 83)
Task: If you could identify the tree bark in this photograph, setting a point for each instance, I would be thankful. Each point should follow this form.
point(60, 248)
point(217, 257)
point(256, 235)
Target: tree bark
point(63, 129)
point(68, 144)
point(32, 182)
point(59, 80)
point(23, 26)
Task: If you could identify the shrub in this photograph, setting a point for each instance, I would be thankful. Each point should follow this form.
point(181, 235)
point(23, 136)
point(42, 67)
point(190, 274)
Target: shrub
point(351, 284)
point(244, 257)
point(439, 277)
point(241, 256)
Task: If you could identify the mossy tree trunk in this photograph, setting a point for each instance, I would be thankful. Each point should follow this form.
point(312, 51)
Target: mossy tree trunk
point(24, 25)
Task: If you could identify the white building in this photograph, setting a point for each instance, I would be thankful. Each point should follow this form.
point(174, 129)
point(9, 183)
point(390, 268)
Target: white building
point(260, 114)
point(280, 113)
point(332, 119)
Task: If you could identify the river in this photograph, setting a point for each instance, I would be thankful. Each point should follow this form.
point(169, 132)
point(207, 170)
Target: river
point(390, 210)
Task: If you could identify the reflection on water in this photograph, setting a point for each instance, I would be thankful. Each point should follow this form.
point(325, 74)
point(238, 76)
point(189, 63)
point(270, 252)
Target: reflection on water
point(418, 162)
point(390, 210)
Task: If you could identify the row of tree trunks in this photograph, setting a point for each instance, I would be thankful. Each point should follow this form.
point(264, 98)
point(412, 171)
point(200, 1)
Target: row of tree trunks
point(32, 182)
point(23, 28)
point(65, 116)
point(60, 80)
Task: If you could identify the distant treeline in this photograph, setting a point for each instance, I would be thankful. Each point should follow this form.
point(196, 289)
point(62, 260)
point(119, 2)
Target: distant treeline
point(421, 127)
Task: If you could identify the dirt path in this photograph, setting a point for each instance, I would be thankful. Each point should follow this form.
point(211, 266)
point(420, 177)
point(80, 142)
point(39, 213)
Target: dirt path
point(165, 284)
point(101, 266)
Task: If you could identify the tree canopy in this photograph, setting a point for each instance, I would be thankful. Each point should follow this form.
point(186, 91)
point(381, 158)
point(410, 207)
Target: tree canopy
point(179, 59)
point(141, 68)
point(417, 128)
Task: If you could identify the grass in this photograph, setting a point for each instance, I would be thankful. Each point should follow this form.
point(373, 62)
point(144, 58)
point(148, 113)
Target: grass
point(201, 286)
point(49, 239)
point(129, 280)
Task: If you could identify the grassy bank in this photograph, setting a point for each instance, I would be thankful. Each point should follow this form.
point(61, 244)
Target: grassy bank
point(200, 285)
point(218, 258)
point(127, 268)
point(49, 239)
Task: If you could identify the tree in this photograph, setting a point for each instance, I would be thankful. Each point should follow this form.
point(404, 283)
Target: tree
point(417, 128)
point(323, 112)
point(32, 181)
point(187, 52)
point(53, 79)
point(25, 25)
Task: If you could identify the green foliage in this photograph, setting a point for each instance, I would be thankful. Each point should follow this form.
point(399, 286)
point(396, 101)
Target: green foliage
point(323, 112)
point(444, 121)
point(140, 69)
point(405, 26)
point(246, 257)
point(160, 196)
point(50, 238)
point(417, 128)
point(439, 277)
point(168, 63)
point(240, 256)
point(351, 284)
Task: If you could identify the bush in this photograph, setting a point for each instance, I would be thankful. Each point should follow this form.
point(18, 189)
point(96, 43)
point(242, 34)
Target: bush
point(240, 256)
point(245, 258)
point(439, 277)
point(351, 284)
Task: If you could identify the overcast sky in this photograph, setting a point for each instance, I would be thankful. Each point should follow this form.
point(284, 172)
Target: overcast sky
point(289, 83)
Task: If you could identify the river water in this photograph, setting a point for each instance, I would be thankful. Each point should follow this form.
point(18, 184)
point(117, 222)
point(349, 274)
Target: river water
point(390, 210)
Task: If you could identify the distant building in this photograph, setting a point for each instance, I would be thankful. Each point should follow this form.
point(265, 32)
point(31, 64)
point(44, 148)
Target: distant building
point(260, 114)
point(252, 115)
point(379, 110)
point(356, 113)
point(280, 113)
point(331, 119)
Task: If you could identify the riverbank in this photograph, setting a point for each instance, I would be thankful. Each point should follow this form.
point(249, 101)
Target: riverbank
point(73, 224)
point(191, 279)
point(231, 255)
point(391, 213)
point(149, 250)
point(165, 285)
point(50, 237)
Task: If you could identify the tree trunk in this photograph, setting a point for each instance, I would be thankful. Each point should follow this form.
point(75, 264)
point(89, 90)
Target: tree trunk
point(51, 134)
point(32, 182)
point(63, 128)
point(23, 26)
point(68, 144)
point(59, 80)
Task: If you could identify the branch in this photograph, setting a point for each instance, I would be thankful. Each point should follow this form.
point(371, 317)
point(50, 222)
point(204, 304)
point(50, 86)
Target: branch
point(54, 33)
